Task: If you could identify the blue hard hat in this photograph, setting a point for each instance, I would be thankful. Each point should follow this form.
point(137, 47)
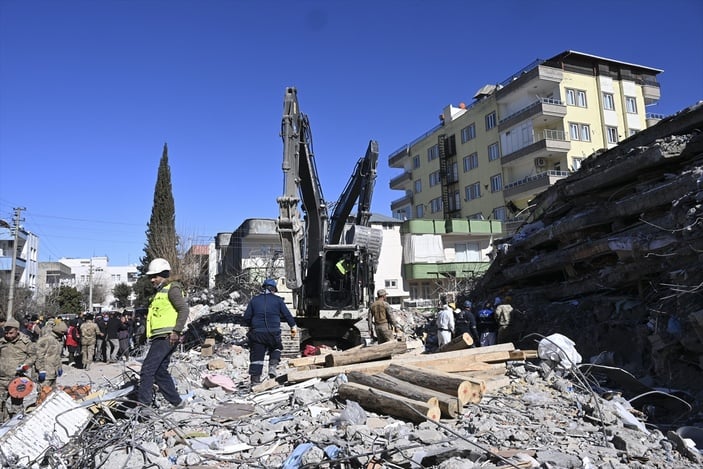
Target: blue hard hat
point(468, 304)
point(269, 282)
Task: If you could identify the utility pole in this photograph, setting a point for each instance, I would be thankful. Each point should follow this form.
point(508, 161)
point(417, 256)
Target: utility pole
point(16, 227)
point(90, 287)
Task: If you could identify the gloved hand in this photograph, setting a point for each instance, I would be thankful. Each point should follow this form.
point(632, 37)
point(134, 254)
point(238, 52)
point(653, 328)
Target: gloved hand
point(22, 369)
point(42, 376)
point(293, 331)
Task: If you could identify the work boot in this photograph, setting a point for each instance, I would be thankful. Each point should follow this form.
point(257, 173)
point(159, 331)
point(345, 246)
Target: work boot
point(273, 364)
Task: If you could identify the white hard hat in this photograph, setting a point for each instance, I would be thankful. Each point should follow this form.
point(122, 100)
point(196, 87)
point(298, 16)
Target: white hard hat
point(157, 266)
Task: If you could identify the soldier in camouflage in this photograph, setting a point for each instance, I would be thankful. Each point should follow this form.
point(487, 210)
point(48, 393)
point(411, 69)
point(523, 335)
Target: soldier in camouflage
point(17, 356)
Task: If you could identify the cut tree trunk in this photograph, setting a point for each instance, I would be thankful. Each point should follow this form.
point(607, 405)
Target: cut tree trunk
point(389, 404)
point(449, 405)
point(461, 342)
point(465, 389)
point(366, 354)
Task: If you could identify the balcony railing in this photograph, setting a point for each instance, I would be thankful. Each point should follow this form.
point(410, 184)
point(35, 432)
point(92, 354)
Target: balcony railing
point(533, 144)
point(418, 139)
point(542, 179)
point(532, 106)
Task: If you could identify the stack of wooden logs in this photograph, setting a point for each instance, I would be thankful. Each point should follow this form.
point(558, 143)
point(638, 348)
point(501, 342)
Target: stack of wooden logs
point(410, 385)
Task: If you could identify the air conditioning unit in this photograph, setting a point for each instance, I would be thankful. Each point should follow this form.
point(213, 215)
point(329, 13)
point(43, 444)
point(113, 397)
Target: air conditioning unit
point(540, 162)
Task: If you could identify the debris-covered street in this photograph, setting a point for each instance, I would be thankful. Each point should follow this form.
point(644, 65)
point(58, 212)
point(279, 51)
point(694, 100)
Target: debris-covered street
point(523, 411)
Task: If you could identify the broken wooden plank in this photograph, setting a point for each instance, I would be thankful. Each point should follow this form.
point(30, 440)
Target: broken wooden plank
point(387, 403)
point(461, 342)
point(366, 354)
point(448, 405)
point(465, 389)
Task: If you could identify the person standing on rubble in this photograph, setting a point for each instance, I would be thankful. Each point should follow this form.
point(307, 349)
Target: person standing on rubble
point(504, 312)
point(487, 325)
point(382, 323)
point(17, 356)
point(165, 321)
point(263, 317)
point(465, 321)
point(445, 325)
point(89, 333)
point(49, 348)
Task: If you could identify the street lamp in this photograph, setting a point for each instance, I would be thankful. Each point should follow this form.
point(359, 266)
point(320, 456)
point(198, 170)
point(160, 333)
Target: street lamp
point(11, 293)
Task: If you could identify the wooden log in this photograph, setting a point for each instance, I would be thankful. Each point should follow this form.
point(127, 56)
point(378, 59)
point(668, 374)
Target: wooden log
point(461, 342)
point(317, 359)
point(465, 389)
point(448, 405)
point(366, 354)
point(458, 360)
point(388, 403)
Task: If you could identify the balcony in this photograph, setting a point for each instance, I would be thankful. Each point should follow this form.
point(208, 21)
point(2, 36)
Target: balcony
point(395, 160)
point(547, 108)
point(403, 201)
point(545, 142)
point(653, 119)
point(400, 182)
point(533, 184)
point(650, 91)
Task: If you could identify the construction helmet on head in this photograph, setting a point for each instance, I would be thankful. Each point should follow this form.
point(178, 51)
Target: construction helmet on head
point(270, 284)
point(157, 266)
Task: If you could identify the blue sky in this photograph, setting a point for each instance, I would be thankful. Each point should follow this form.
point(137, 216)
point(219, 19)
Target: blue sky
point(91, 90)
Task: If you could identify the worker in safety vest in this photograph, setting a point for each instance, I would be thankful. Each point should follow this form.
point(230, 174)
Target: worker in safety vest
point(165, 321)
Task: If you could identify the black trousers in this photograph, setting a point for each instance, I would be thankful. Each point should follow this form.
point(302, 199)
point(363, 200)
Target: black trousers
point(261, 343)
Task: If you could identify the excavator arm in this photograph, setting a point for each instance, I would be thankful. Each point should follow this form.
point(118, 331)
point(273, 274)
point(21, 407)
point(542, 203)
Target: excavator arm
point(301, 242)
point(359, 187)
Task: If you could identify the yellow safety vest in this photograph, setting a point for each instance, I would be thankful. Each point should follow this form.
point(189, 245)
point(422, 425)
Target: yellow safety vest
point(162, 316)
point(342, 266)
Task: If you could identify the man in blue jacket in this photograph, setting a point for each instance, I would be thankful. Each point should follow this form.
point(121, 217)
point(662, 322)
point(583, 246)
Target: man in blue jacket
point(263, 316)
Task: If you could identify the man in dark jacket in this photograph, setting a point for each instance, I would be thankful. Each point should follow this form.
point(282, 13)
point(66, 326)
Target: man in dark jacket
point(263, 316)
point(466, 321)
point(112, 329)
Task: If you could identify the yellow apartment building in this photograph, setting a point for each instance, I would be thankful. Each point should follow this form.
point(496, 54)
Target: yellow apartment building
point(488, 159)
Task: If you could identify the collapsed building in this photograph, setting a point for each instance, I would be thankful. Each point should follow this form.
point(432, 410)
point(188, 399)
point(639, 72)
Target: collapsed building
point(611, 257)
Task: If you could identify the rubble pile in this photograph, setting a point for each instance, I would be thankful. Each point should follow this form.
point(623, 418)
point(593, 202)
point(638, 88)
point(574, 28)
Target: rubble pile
point(526, 412)
point(611, 257)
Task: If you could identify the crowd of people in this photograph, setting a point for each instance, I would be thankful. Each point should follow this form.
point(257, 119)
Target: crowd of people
point(487, 324)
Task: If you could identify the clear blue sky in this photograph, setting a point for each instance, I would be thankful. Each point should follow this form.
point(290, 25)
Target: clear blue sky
point(91, 90)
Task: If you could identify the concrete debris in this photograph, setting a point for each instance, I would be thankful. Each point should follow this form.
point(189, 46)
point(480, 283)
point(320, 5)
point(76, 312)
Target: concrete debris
point(536, 416)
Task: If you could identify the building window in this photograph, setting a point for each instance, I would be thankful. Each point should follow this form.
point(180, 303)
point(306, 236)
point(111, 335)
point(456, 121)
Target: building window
point(497, 183)
point(418, 186)
point(473, 191)
point(493, 152)
point(419, 211)
point(468, 133)
point(580, 131)
point(416, 161)
point(630, 105)
point(470, 162)
point(467, 252)
point(434, 178)
point(608, 102)
point(490, 120)
point(432, 152)
point(612, 133)
point(575, 97)
point(454, 201)
point(391, 283)
point(576, 163)
point(632, 132)
point(436, 205)
point(500, 213)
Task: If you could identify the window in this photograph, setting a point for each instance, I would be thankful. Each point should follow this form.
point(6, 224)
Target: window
point(473, 191)
point(450, 146)
point(493, 152)
point(575, 97)
point(454, 201)
point(630, 105)
point(608, 103)
point(436, 205)
point(434, 178)
point(580, 131)
point(632, 132)
point(471, 162)
point(468, 133)
point(391, 283)
point(612, 133)
point(497, 183)
point(416, 161)
point(490, 120)
point(576, 163)
point(453, 173)
point(418, 186)
point(419, 211)
point(467, 252)
point(432, 152)
point(500, 213)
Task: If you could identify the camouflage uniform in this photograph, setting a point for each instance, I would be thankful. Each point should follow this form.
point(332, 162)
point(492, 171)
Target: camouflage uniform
point(49, 348)
point(14, 354)
point(89, 337)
